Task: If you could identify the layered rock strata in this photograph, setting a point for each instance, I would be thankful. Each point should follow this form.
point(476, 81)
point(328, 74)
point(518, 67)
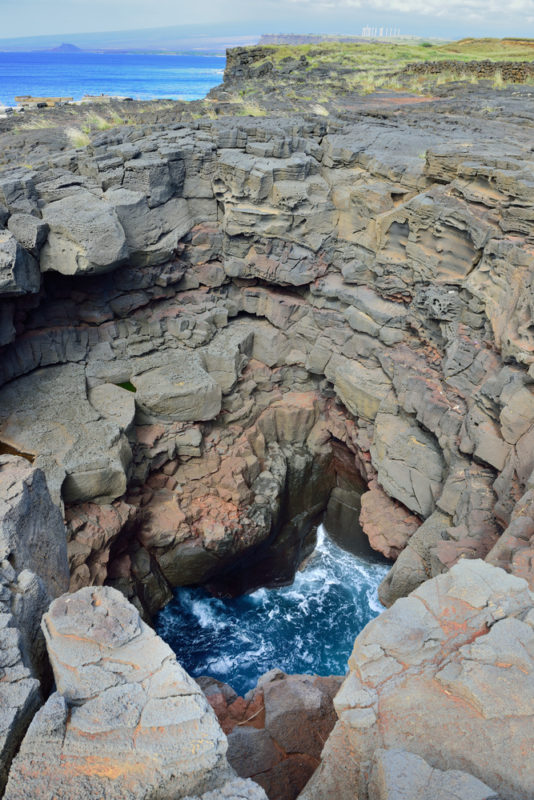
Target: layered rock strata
point(242, 300)
point(205, 328)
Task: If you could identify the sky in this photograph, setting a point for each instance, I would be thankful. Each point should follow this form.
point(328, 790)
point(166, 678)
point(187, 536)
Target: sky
point(438, 18)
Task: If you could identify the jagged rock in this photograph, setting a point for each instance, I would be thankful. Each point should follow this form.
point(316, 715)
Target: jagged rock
point(19, 271)
point(409, 463)
point(126, 721)
point(20, 695)
point(33, 571)
point(277, 731)
point(514, 549)
point(33, 541)
point(30, 231)
point(152, 234)
point(380, 261)
point(453, 657)
point(388, 525)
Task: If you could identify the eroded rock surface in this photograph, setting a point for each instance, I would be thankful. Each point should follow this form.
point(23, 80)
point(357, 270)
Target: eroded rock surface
point(231, 310)
point(398, 775)
point(33, 571)
point(126, 720)
point(448, 675)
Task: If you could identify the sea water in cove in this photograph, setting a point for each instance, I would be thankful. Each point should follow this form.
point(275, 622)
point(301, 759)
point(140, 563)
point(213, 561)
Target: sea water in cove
point(308, 627)
point(140, 76)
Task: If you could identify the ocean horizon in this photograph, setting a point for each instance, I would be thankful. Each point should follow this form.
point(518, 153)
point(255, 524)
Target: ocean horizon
point(140, 76)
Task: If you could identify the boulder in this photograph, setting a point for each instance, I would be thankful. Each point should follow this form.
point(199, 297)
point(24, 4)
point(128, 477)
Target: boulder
point(152, 234)
point(277, 731)
point(448, 675)
point(30, 231)
point(85, 236)
point(180, 391)
point(84, 456)
point(19, 271)
point(126, 720)
point(237, 789)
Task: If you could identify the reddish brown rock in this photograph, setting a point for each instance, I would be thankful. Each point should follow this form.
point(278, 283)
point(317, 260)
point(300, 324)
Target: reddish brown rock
point(514, 550)
point(276, 733)
point(388, 524)
point(92, 530)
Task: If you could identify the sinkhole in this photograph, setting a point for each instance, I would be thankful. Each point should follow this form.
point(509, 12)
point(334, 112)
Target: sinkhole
point(308, 626)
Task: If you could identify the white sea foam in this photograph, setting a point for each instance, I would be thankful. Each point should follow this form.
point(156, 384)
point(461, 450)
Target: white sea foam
point(309, 626)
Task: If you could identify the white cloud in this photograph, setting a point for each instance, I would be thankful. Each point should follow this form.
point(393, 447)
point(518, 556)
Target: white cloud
point(435, 8)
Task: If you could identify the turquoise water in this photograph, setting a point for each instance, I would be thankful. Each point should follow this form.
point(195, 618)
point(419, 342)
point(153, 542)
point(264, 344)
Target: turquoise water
point(308, 627)
point(143, 77)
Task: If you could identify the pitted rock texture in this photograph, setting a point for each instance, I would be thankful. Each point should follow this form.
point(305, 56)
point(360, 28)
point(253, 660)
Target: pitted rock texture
point(448, 675)
point(33, 571)
point(277, 731)
point(237, 789)
point(126, 720)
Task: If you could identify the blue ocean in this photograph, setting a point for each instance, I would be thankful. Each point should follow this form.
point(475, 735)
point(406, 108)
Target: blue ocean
point(308, 627)
point(143, 77)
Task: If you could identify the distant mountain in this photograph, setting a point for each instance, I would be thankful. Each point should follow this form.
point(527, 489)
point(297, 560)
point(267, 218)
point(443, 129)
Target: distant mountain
point(67, 48)
point(152, 40)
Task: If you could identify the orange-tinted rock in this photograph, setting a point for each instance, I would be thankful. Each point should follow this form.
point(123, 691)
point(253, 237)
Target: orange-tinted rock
point(276, 733)
point(388, 525)
point(447, 672)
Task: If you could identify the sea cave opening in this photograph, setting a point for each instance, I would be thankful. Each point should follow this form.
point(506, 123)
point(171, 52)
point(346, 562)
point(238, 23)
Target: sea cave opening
point(303, 619)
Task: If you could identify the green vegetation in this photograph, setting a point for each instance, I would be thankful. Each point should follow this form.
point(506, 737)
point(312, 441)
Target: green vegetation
point(77, 137)
point(398, 55)
point(128, 386)
point(368, 67)
point(97, 122)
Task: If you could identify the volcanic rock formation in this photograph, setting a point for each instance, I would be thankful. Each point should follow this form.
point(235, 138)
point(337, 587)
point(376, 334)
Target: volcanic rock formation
point(241, 301)
point(206, 326)
point(447, 675)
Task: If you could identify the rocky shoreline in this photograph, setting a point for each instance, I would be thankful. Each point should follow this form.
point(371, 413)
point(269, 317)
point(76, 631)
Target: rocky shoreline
point(208, 325)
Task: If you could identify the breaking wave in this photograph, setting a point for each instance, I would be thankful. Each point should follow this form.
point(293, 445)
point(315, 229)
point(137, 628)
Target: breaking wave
point(309, 626)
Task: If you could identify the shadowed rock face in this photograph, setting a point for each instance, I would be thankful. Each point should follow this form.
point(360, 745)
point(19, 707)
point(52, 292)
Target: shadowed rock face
point(277, 731)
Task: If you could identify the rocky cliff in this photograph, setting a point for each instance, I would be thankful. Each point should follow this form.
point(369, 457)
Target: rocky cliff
point(198, 323)
point(208, 325)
